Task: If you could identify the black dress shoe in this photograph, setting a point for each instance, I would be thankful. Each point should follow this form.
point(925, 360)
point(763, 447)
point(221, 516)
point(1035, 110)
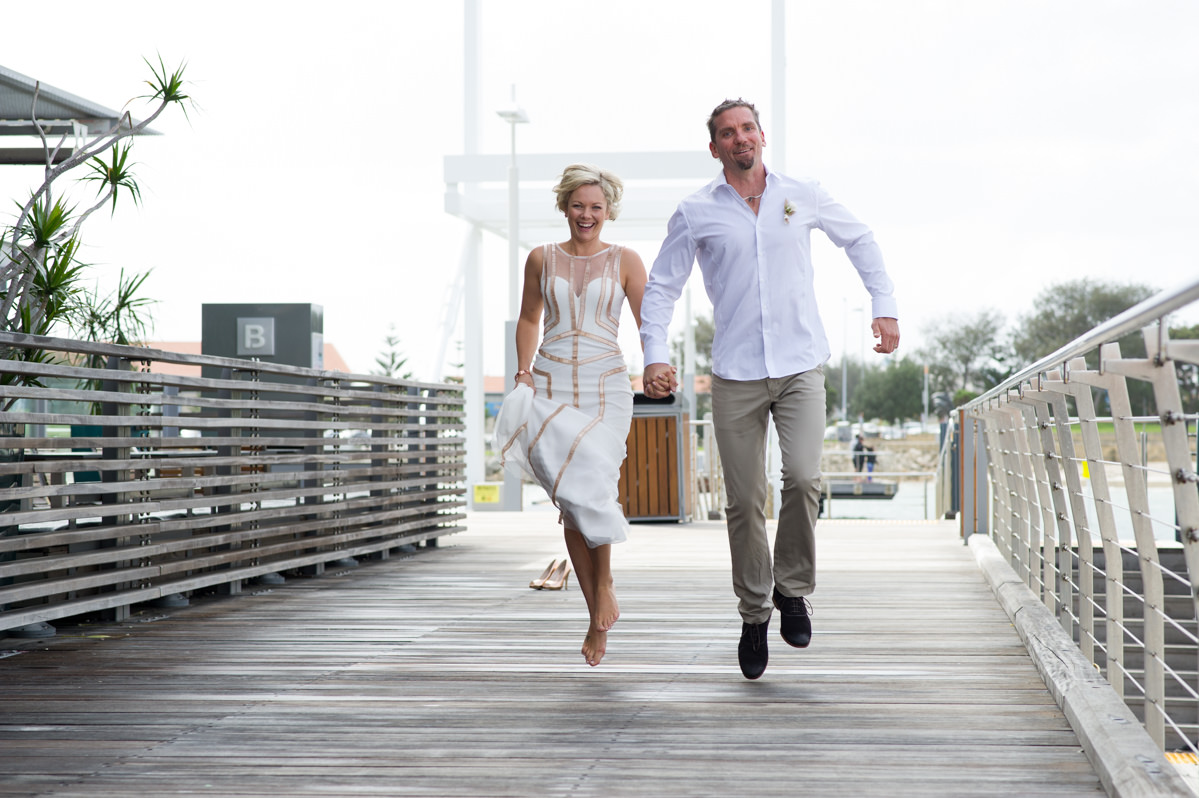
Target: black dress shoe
point(796, 626)
point(751, 651)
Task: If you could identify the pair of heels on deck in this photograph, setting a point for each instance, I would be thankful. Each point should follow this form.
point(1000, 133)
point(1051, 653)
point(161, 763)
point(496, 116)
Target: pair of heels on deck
point(554, 576)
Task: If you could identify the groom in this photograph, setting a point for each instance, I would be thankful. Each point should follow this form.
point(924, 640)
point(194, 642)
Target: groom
point(750, 229)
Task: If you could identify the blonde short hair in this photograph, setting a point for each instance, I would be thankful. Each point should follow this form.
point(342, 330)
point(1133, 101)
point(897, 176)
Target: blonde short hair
point(578, 175)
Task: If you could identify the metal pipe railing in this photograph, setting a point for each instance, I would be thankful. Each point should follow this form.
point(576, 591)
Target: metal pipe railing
point(1135, 318)
point(1099, 515)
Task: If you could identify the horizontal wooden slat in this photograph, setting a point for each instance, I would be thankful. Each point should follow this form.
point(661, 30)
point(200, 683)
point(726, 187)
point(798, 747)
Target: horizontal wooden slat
point(271, 468)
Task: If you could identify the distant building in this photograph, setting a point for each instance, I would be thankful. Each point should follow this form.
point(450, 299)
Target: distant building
point(333, 358)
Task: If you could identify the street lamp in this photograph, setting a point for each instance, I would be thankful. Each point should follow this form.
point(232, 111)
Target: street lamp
point(513, 114)
point(844, 359)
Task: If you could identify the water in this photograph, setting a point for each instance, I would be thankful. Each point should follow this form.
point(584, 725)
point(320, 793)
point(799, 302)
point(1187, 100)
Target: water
point(908, 503)
point(916, 501)
point(913, 501)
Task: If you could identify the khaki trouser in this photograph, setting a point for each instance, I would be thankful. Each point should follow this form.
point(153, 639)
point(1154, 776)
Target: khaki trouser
point(740, 411)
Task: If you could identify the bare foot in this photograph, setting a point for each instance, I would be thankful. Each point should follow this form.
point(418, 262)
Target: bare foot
point(607, 611)
point(595, 645)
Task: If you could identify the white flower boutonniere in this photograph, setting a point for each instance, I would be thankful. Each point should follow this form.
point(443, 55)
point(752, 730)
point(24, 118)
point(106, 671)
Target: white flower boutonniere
point(788, 209)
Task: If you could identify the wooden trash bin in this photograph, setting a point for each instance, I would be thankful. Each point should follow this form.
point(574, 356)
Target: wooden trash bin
point(655, 478)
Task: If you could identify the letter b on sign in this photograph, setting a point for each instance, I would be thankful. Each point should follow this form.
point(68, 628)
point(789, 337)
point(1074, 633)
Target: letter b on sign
point(255, 337)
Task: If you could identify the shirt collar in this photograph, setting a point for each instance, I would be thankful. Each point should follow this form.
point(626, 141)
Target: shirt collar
point(721, 180)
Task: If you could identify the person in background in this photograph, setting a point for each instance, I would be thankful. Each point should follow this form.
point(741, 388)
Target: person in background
point(860, 455)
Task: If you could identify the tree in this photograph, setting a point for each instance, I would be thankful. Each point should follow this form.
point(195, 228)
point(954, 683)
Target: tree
point(832, 384)
point(705, 331)
point(964, 351)
point(116, 317)
point(1188, 373)
point(832, 390)
point(40, 270)
point(891, 391)
point(389, 361)
point(1065, 311)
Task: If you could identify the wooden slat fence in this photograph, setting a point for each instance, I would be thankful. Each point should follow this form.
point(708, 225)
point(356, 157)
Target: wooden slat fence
point(120, 484)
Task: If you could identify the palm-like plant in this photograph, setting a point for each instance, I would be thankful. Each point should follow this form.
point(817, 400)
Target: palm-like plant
point(40, 270)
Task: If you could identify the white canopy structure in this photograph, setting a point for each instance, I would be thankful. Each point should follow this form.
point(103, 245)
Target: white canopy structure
point(59, 113)
point(479, 188)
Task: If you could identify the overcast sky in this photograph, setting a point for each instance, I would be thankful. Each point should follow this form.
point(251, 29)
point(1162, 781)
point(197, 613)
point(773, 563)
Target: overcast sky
point(994, 147)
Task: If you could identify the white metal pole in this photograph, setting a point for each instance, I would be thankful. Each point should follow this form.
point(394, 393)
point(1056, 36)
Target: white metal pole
point(473, 293)
point(778, 162)
point(689, 353)
point(778, 84)
point(513, 227)
point(924, 397)
point(472, 356)
point(862, 341)
point(844, 360)
point(512, 498)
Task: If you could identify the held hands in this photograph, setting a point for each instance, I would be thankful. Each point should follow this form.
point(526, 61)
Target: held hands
point(887, 331)
point(659, 380)
point(524, 378)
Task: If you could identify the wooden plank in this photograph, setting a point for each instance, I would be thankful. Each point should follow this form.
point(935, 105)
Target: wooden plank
point(670, 448)
point(441, 673)
point(643, 467)
point(1108, 729)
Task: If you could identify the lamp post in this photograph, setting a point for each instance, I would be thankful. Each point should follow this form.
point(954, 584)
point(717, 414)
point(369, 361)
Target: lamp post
point(844, 359)
point(862, 341)
point(514, 115)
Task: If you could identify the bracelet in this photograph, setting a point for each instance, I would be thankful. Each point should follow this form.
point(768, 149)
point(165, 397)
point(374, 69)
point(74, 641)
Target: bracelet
point(521, 373)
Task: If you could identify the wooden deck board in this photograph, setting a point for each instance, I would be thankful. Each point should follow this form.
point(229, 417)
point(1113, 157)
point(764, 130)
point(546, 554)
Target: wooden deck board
point(442, 674)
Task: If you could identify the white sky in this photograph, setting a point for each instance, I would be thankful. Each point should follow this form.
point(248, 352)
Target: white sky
point(994, 147)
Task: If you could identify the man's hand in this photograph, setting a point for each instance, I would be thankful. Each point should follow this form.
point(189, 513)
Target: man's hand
point(887, 331)
point(658, 380)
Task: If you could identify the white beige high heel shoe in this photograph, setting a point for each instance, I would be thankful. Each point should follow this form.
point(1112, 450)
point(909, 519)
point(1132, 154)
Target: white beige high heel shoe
point(557, 580)
point(539, 582)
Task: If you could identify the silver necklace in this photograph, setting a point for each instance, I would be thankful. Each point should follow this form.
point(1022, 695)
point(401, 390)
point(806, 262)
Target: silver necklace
point(751, 199)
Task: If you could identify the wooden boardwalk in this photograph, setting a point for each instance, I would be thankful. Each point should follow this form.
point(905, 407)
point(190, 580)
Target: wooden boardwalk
point(443, 674)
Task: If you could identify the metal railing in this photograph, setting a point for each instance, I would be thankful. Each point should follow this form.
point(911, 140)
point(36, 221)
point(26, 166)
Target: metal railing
point(132, 475)
point(1096, 508)
point(708, 498)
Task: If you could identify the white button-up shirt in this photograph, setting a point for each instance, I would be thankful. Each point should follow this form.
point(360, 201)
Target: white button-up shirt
point(758, 274)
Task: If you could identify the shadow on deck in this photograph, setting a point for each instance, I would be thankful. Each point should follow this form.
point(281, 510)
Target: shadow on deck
point(443, 674)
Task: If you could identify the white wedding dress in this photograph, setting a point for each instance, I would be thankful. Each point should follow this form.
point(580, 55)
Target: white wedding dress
point(570, 434)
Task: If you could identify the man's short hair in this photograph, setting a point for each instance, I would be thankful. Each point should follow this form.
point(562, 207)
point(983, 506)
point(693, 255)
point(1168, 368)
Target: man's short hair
point(726, 105)
point(578, 175)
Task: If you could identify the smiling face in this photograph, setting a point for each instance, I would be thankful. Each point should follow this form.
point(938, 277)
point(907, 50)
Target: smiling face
point(586, 212)
point(737, 140)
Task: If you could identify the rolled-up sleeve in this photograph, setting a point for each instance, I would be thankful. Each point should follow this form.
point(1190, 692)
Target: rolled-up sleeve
point(667, 278)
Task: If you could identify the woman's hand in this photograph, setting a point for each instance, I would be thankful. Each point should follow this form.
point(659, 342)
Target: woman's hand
point(659, 380)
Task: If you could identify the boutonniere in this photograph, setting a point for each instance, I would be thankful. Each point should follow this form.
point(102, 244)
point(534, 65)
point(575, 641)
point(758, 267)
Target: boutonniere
point(788, 209)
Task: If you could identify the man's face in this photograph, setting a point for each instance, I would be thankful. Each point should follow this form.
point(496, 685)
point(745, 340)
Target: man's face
point(739, 140)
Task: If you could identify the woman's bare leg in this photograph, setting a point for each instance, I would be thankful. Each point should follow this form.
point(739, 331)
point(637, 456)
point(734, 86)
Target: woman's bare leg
point(593, 573)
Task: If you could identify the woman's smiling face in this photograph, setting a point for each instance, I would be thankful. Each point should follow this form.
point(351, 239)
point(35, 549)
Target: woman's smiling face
point(586, 211)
